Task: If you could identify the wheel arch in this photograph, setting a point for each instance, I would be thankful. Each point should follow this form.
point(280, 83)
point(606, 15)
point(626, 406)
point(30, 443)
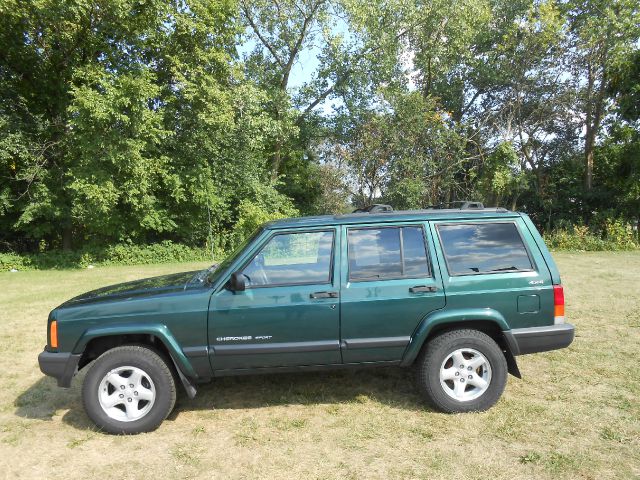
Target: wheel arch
point(486, 320)
point(94, 342)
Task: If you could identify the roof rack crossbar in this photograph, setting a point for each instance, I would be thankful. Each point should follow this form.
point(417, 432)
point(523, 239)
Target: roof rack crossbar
point(464, 205)
point(375, 208)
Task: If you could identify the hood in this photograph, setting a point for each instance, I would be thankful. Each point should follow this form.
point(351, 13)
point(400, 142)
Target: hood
point(140, 288)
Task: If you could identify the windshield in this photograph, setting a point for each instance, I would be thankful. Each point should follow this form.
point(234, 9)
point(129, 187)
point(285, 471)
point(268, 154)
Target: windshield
point(213, 272)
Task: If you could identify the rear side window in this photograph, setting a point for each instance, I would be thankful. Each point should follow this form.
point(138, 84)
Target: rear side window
point(385, 253)
point(483, 248)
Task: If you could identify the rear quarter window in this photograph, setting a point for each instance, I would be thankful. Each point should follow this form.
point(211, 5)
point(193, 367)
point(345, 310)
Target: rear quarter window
point(471, 249)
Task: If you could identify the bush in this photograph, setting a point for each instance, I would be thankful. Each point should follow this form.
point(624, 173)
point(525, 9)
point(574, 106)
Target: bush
point(121, 254)
point(620, 234)
point(165, 252)
point(251, 216)
point(616, 236)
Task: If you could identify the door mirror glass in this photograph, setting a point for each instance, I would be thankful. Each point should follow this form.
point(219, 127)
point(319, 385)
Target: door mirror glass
point(236, 282)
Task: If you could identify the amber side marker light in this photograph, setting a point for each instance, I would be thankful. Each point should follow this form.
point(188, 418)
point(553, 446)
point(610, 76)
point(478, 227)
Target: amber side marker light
point(53, 334)
point(558, 304)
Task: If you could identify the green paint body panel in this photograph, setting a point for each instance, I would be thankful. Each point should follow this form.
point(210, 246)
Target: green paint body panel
point(500, 291)
point(210, 330)
point(159, 331)
point(449, 317)
point(544, 251)
point(175, 314)
point(384, 309)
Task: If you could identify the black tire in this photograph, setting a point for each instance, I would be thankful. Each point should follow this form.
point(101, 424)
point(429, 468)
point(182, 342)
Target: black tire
point(438, 349)
point(155, 368)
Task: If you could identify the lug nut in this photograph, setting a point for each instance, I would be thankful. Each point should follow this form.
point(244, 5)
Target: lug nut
point(121, 387)
point(128, 399)
point(461, 366)
point(457, 373)
point(469, 368)
point(135, 393)
point(470, 377)
point(462, 380)
point(122, 395)
point(131, 385)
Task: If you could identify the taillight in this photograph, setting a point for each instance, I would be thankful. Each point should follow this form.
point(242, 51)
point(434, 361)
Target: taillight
point(558, 304)
point(53, 334)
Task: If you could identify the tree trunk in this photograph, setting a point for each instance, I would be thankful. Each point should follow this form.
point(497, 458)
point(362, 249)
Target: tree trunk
point(588, 159)
point(67, 239)
point(277, 150)
point(589, 136)
point(595, 109)
point(277, 156)
point(514, 202)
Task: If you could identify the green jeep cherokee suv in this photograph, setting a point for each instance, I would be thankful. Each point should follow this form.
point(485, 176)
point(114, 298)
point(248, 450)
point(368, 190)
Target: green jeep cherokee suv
point(454, 293)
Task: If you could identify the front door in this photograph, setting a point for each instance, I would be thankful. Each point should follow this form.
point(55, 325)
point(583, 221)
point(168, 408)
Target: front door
point(388, 286)
point(289, 313)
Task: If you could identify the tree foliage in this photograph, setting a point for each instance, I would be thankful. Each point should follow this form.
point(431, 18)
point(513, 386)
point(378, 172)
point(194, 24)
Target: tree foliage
point(194, 120)
point(128, 120)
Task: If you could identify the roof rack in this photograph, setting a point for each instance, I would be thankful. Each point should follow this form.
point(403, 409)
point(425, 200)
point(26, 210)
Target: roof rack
point(375, 208)
point(464, 205)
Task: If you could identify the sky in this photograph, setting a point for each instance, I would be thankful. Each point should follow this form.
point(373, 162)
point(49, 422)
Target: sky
point(302, 70)
point(306, 64)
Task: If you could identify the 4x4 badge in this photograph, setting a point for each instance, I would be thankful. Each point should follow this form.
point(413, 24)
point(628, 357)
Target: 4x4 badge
point(536, 282)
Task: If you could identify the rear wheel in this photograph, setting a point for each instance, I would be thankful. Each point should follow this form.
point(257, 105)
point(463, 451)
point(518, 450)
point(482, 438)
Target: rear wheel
point(462, 371)
point(129, 389)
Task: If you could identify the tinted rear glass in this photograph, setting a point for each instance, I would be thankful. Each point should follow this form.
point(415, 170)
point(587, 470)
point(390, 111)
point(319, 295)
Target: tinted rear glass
point(415, 254)
point(483, 248)
point(375, 253)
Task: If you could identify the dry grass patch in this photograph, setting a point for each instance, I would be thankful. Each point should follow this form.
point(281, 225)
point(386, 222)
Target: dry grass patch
point(575, 415)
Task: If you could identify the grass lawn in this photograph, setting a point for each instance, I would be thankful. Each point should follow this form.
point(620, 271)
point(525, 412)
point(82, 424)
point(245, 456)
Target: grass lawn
point(576, 413)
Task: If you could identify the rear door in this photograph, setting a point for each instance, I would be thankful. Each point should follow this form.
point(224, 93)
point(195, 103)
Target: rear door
point(388, 284)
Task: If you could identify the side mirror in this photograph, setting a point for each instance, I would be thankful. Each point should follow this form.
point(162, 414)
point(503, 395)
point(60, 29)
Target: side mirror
point(236, 282)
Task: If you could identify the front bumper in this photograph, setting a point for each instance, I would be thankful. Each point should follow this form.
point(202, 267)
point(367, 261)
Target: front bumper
point(539, 339)
point(61, 366)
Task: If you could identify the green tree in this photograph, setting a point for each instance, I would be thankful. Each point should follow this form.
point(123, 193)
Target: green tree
point(602, 32)
point(127, 120)
point(404, 153)
point(500, 180)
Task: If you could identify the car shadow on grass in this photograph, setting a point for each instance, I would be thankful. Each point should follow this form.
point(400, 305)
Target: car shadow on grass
point(388, 386)
point(44, 399)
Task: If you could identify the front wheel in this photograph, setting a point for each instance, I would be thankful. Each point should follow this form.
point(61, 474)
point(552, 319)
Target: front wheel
point(462, 371)
point(129, 389)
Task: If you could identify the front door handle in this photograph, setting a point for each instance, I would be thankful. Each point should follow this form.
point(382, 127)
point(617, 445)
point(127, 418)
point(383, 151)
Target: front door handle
point(324, 295)
point(422, 288)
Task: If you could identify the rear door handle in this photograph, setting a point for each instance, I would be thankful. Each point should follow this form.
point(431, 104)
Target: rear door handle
point(422, 288)
point(324, 295)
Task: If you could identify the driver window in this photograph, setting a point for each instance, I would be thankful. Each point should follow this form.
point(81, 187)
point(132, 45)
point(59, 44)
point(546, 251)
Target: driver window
point(292, 258)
